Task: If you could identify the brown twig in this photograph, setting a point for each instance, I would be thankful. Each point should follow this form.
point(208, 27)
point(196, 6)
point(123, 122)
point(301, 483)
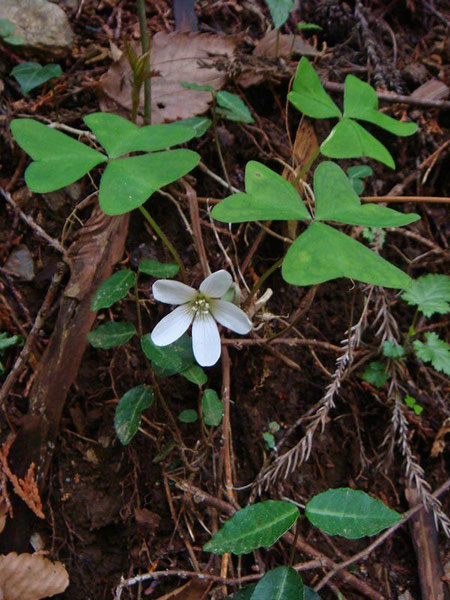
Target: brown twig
point(196, 228)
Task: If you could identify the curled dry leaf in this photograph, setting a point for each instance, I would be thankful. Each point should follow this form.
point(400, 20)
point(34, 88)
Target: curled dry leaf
point(30, 577)
point(175, 57)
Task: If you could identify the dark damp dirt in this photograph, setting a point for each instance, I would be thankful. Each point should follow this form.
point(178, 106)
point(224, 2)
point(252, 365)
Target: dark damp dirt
point(113, 511)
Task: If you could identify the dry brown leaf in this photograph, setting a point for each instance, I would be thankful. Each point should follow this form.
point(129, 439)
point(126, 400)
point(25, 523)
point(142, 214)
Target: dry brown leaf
point(439, 441)
point(176, 57)
point(3, 515)
point(31, 577)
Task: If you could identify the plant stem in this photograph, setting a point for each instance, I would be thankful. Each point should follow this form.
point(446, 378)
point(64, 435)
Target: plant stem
point(216, 139)
point(277, 44)
point(145, 45)
point(261, 280)
point(306, 168)
point(165, 240)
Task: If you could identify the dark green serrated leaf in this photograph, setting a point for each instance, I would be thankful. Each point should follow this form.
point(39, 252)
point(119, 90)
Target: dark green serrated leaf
point(129, 410)
point(361, 102)
point(268, 196)
point(119, 136)
point(256, 526)
point(308, 94)
point(349, 140)
point(111, 335)
point(169, 360)
point(234, 108)
point(212, 408)
point(282, 583)
point(376, 374)
point(322, 253)
point(59, 160)
point(188, 416)
point(128, 182)
point(350, 513)
point(435, 351)
point(280, 11)
point(195, 374)
point(336, 200)
point(30, 75)
point(112, 289)
point(430, 293)
point(393, 350)
point(158, 269)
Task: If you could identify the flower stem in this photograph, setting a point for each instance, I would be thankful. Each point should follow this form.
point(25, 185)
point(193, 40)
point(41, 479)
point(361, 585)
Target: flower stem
point(216, 139)
point(261, 280)
point(165, 240)
point(145, 45)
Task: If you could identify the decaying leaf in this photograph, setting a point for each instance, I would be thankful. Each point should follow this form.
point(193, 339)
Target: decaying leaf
point(30, 577)
point(439, 441)
point(175, 57)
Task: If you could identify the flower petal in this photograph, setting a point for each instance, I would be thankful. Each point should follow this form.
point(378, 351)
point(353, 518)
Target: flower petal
point(205, 340)
point(172, 292)
point(229, 315)
point(216, 284)
point(173, 326)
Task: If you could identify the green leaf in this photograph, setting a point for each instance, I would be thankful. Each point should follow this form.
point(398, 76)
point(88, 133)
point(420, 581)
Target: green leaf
point(268, 197)
point(253, 527)
point(119, 136)
point(244, 593)
point(308, 94)
point(361, 102)
point(14, 40)
point(233, 107)
point(112, 289)
point(212, 408)
point(188, 416)
point(280, 10)
point(350, 513)
point(430, 293)
point(322, 253)
point(128, 182)
point(282, 583)
point(158, 269)
point(435, 351)
point(349, 140)
point(199, 124)
point(128, 412)
point(376, 374)
point(357, 184)
point(412, 403)
point(309, 27)
point(393, 350)
point(269, 438)
point(7, 28)
point(111, 335)
point(169, 360)
point(6, 342)
point(336, 200)
point(30, 75)
point(196, 87)
point(59, 159)
point(360, 171)
point(195, 374)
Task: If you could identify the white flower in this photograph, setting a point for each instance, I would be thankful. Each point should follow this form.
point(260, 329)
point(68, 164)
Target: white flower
point(202, 308)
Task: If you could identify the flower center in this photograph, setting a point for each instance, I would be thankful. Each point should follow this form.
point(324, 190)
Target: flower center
point(201, 305)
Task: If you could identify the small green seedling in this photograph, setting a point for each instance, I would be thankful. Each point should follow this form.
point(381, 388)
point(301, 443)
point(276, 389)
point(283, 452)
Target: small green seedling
point(7, 29)
point(268, 436)
point(413, 404)
point(280, 11)
point(6, 342)
point(225, 104)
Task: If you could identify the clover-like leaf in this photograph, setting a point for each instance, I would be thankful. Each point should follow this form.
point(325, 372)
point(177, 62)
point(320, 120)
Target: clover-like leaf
point(282, 583)
point(435, 351)
point(199, 124)
point(348, 139)
point(361, 102)
point(129, 410)
point(233, 108)
point(112, 289)
point(350, 513)
point(30, 75)
point(120, 136)
point(128, 182)
point(59, 160)
point(308, 94)
point(430, 293)
point(255, 526)
point(336, 200)
point(111, 335)
point(268, 196)
point(322, 253)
